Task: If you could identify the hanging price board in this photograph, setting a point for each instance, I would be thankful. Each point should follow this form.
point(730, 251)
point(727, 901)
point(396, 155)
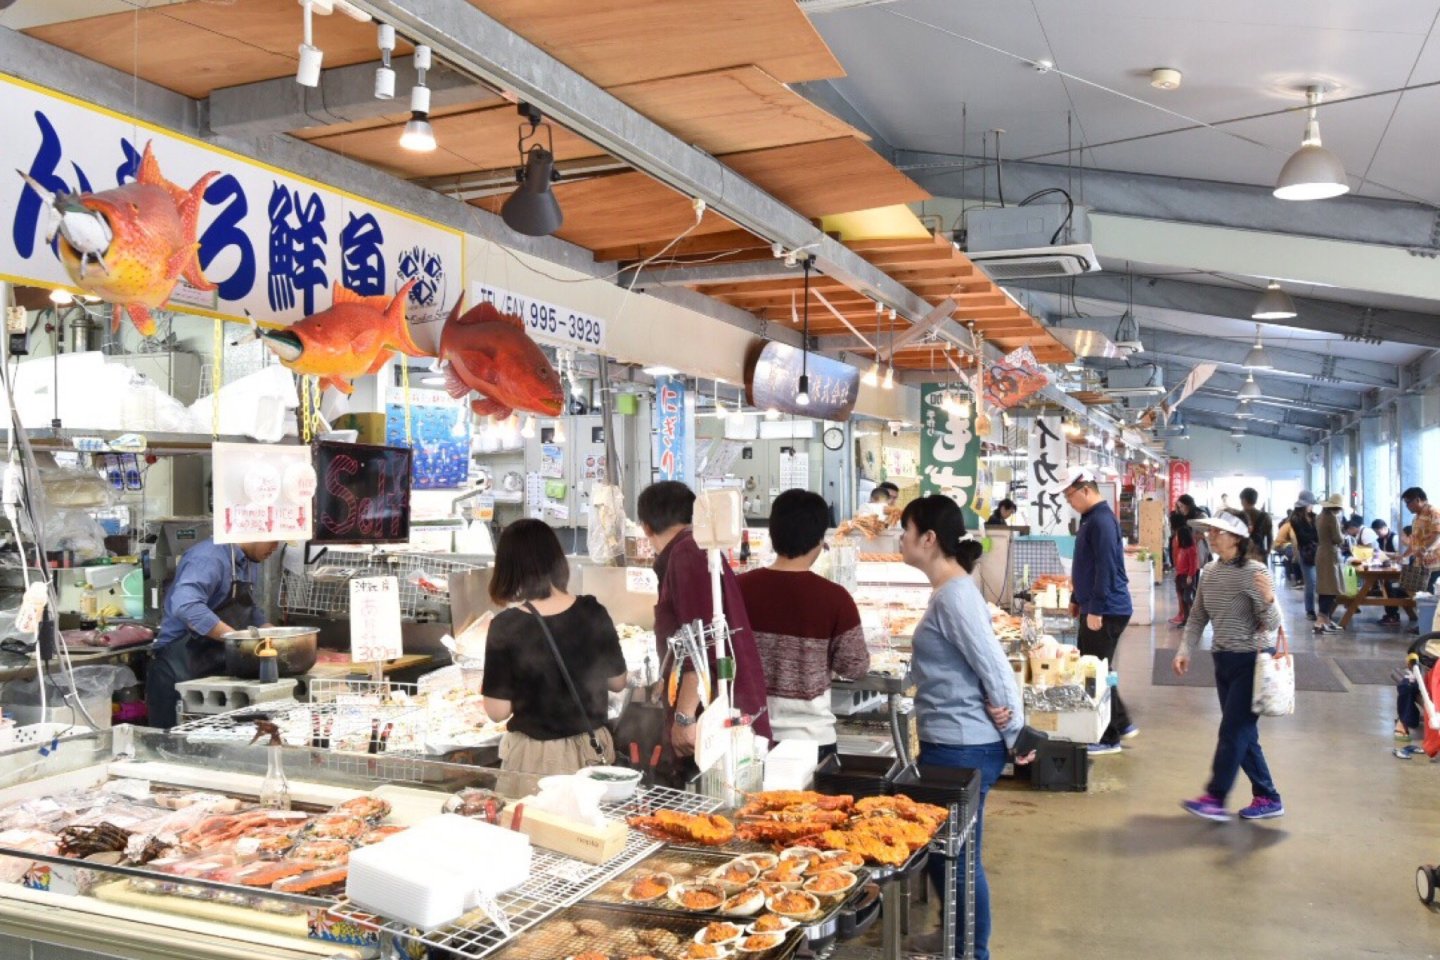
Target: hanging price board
point(374, 619)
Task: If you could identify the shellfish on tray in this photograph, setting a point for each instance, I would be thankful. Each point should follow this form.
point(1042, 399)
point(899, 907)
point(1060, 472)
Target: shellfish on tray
point(831, 883)
point(706, 951)
point(648, 888)
point(771, 923)
point(735, 875)
point(795, 904)
point(762, 861)
point(721, 934)
point(746, 903)
point(840, 859)
point(760, 942)
point(697, 897)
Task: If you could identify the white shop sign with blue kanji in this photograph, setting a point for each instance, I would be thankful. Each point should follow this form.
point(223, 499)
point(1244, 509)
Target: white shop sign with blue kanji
point(272, 241)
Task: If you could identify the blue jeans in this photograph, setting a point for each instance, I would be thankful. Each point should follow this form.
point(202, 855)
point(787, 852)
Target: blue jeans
point(1309, 570)
point(989, 759)
point(1238, 747)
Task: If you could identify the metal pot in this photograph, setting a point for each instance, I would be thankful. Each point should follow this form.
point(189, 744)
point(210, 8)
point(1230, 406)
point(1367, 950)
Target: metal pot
point(295, 647)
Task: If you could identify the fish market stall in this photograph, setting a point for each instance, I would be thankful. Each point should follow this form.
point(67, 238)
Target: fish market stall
point(153, 845)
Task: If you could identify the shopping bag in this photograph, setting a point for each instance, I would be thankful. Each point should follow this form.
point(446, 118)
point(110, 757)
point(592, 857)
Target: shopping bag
point(1274, 691)
point(1415, 578)
point(1351, 580)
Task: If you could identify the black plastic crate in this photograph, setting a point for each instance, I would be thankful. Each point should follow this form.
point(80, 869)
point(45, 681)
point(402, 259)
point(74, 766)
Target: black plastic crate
point(942, 786)
point(1060, 765)
point(859, 776)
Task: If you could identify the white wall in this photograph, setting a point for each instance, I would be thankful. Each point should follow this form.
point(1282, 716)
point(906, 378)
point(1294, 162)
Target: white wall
point(1219, 463)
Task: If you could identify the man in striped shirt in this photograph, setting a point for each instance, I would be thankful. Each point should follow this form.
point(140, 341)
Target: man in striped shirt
point(807, 628)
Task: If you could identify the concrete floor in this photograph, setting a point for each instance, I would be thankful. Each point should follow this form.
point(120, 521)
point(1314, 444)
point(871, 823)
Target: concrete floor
point(1122, 871)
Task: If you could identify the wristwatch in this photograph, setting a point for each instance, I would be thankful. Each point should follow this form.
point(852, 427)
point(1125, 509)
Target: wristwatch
point(683, 720)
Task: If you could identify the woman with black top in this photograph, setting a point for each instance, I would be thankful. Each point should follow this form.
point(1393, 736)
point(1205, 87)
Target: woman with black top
point(1307, 542)
point(1184, 556)
point(549, 732)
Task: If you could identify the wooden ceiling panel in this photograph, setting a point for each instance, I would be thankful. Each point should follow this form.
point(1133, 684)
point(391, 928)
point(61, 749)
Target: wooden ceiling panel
point(471, 141)
point(195, 47)
point(397, 119)
point(738, 243)
point(626, 209)
point(827, 177)
point(613, 42)
point(732, 111)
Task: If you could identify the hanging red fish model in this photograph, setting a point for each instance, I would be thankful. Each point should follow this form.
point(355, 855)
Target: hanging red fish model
point(353, 338)
point(489, 352)
point(131, 245)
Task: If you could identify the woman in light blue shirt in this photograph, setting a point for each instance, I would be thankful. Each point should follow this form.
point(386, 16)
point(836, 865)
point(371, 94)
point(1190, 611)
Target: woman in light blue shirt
point(967, 705)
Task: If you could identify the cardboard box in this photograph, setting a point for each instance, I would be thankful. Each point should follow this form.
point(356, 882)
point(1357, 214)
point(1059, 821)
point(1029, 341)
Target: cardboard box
point(562, 835)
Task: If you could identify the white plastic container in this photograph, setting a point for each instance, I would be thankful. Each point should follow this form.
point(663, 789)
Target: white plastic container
point(437, 870)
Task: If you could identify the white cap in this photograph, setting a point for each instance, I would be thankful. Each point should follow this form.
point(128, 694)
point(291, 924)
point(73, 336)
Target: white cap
point(1227, 522)
point(1078, 475)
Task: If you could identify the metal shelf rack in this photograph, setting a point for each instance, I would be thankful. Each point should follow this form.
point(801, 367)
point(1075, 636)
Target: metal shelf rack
point(324, 589)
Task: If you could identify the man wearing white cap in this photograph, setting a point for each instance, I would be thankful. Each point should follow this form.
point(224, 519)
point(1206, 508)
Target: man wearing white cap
point(1101, 595)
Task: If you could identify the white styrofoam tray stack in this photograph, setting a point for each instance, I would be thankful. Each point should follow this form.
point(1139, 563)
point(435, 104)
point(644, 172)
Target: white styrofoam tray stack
point(437, 870)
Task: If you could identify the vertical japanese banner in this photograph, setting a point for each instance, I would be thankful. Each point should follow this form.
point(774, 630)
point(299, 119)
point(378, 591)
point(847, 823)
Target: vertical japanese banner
point(1047, 476)
point(273, 243)
point(949, 452)
point(670, 430)
point(1179, 480)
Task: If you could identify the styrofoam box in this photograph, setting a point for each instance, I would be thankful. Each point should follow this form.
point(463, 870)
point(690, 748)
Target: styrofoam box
point(1081, 726)
point(437, 870)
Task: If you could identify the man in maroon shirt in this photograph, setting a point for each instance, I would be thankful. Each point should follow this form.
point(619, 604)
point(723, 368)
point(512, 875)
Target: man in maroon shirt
point(807, 628)
point(666, 510)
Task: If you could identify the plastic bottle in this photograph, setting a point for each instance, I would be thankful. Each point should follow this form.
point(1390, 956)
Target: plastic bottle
point(89, 603)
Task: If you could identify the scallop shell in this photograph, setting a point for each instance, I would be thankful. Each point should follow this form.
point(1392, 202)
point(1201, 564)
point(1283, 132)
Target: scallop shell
point(679, 890)
point(786, 924)
point(629, 895)
point(799, 853)
point(772, 940)
point(746, 903)
point(764, 861)
point(701, 935)
point(828, 877)
point(773, 905)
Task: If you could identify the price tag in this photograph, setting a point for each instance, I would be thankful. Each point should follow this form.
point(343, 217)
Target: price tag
point(641, 580)
point(484, 509)
point(712, 737)
point(374, 619)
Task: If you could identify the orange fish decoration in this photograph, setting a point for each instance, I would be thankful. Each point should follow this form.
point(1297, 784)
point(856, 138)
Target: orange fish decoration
point(353, 338)
point(131, 245)
point(489, 352)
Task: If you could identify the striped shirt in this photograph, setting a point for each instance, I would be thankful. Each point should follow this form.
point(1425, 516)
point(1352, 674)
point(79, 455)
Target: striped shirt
point(1229, 600)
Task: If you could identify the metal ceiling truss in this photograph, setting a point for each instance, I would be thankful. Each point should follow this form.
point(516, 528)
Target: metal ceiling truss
point(1357, 323)
point(1307, 396)
point(1189, 348)
point(1254, 428)
point(1273, 411)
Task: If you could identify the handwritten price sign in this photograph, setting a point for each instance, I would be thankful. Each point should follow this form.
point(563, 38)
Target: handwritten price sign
point(374, 619)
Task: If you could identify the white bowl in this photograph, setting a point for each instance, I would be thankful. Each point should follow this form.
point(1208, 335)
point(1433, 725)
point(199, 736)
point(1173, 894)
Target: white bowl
point(617, 790)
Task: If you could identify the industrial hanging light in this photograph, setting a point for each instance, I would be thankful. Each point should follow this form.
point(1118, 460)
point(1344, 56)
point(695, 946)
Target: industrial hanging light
point(802, 394)
point(872, 376)
point(1274, 304)
point(307, 74)
point(1250, 390)
point(419, 136)
point(1243, 411)
point(1237, 432)
point(1312, 172)
point(532, 209)
point(1127, 333)
point(385, 74)
point(61, 297)
point(1257, 358)
point(889, 382)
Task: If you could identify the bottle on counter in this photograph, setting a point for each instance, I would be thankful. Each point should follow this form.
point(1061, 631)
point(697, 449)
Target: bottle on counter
point(744, 548)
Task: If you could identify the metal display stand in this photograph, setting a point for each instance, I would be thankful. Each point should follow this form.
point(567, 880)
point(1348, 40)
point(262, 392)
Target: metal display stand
point(893, 689)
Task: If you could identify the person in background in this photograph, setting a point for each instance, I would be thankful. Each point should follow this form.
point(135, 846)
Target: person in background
point(213, 594)
point(1329, 582)
point(886, 493)
point(1184, 556)
point(1381, 537)
point(1424, 533)
point(1307, 542)
point(1285, 547)
point(548, 731)
point(1002, 513)
point(1238, 599)
point(665, 510)
point(1262, 528)
point(1350, 532)
point(1100, 597)
point(806, 627)
point(967, 707)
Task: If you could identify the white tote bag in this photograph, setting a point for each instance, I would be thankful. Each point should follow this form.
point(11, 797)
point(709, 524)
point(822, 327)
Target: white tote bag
point(1274, 693)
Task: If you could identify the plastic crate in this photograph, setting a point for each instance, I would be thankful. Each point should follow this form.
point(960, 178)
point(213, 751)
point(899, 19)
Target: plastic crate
point(858, 776)
point(1060, 765)
point(942, 786)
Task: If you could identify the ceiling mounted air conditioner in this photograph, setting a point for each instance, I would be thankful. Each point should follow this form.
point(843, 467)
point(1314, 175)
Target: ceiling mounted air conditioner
point(1037, 262)
point(1146, 381)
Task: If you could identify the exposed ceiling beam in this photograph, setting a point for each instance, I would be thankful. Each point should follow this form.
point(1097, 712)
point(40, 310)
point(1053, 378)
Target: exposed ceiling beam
point(1161, 344)
point(1263, 410)
point(478, 44)
point(1306, 396)
point(1253, 428)
point(1350, 218)
point(1206, 299)
point(345, 94)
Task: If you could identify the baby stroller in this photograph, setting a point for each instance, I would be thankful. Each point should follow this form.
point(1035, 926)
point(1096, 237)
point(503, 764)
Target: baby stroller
point(1421, 661)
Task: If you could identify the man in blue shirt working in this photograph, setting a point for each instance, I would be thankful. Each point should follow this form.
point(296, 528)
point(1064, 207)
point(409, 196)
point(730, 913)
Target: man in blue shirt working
point(213, 594)
point(1101, 595)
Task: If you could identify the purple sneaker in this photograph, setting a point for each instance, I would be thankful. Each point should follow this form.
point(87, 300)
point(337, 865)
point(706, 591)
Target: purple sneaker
point(1263, 808)
point(1207, 808)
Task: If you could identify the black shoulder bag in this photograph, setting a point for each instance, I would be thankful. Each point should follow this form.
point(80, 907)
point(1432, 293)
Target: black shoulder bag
point(599, 760)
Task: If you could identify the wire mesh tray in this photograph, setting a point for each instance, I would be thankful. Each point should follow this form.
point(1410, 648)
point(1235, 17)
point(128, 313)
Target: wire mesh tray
point(555, 882)
point(324, 589)
point(685, 864)
point(618, 932)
